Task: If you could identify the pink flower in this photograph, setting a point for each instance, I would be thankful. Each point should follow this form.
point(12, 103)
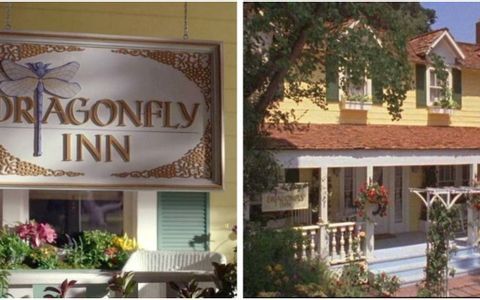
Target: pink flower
point(36, 234)
point(46, 232)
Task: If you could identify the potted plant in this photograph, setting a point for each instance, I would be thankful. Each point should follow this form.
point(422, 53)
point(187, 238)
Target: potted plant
point(30, 252)
point(356, 102)
point(372, 194)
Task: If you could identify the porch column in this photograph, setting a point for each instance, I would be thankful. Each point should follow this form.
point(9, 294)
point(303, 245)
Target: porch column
point(370, 224)
point(323, 213)
point(15, 206)
point(472, 217)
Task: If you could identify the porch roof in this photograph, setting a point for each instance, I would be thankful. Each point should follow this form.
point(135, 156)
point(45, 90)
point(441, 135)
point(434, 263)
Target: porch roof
point(374, 137)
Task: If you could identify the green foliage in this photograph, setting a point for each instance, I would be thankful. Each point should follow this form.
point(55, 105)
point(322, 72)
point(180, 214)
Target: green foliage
point(44, 257)
point(384, 286)
point(359, 98)
point(4, 284)
point(285, 49)
point(75, 255)
point(61, 291)
point(225, 280)
point(94, 245)
point(123, 284)
point(441, 71)
point(13, 250)
point(354, 281)
point(270, 268)
point(441, 231)
point(188, 290)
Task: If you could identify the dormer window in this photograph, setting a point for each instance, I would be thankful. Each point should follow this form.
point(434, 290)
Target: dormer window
point(439, 79)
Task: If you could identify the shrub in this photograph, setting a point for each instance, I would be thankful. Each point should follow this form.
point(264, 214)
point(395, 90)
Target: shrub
point(13, 250)
point(271, 269)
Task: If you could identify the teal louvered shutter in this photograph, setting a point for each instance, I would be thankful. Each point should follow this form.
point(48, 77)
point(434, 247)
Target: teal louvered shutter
point(331, 80)
point(377, 91)
point(421, 85)
point(457, 86)
point(183, 221)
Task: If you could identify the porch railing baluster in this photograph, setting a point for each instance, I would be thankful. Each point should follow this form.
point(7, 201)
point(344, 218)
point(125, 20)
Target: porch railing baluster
point(350, 241)
point(304, 246)
point(313, 235)
point(345, 242)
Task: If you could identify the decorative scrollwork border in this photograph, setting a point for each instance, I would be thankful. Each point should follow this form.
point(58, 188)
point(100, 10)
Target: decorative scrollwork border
point(12, 165)
point(196, 67)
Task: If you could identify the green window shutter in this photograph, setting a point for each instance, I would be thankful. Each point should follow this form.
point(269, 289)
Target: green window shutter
point(457, 86)
point(421, 84)
point(183, 219)
point(377, 91)
point(331, 80)
point(292, 175)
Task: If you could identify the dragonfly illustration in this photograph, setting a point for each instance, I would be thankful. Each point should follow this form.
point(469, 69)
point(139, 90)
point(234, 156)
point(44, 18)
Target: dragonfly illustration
point(38, 78)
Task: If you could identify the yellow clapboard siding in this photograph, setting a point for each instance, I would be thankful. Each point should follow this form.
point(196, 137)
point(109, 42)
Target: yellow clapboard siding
point(468, 115)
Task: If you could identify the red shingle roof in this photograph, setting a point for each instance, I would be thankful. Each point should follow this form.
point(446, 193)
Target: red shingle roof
point(375, 137)
point(421, 43)
point(472, 55)
point(419, 46)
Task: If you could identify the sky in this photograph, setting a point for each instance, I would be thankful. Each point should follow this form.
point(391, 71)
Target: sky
point(459, 17)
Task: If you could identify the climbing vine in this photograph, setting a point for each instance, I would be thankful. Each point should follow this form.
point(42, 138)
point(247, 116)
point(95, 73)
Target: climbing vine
point(442, 74)
point(440, 233)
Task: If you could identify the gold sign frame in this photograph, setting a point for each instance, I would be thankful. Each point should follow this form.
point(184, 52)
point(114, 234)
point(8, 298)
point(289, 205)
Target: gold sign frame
point(203, 163)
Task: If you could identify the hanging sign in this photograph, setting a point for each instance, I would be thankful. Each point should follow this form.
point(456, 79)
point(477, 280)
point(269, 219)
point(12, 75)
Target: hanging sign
point(287, 196)
point(109, 112)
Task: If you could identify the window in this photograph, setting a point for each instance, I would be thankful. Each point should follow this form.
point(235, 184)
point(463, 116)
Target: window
point(398, 194)
point(71, 212)
point(355, 92)
point(446, 176)
point(434, 89)
point(348, 188)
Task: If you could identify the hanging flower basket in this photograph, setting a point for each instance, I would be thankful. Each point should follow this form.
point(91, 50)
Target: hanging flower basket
point(374, 194)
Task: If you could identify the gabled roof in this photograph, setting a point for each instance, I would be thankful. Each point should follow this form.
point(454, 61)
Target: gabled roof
point(375, 137)
point(420, 46)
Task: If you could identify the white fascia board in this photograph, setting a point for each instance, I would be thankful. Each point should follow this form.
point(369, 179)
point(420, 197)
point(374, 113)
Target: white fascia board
point(380, 158)
point(451, 41)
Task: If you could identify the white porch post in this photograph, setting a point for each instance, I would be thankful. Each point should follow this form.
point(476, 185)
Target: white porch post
point(370, 226)
point(323, 213)
point(15, 206)
point(472, 220)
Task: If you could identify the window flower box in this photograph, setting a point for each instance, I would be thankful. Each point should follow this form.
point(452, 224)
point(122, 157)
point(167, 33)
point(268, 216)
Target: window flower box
point(355, 105)
point(438, 110)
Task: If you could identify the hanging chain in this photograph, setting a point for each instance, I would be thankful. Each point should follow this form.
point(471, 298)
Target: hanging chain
point(8, 16)
point(185, 21)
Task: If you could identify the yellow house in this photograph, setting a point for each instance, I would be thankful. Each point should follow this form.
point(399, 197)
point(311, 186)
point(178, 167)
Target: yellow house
point(355, 141)
point(208, 217)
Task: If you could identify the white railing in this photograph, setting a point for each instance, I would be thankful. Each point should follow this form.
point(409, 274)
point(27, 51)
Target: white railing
point(346, 242)
point(309, 249)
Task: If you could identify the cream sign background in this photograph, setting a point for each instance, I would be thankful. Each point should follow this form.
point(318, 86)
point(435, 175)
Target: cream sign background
point(147, 115)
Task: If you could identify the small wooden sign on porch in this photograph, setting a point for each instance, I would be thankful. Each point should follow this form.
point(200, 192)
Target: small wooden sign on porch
point(286, 196)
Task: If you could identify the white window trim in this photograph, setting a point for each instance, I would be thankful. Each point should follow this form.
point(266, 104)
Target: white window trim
point(427, 77)
point(342, 94)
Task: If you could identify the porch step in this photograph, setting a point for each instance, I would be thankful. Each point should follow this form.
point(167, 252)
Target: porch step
point(411, 269)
